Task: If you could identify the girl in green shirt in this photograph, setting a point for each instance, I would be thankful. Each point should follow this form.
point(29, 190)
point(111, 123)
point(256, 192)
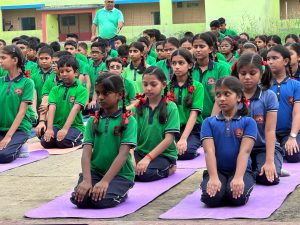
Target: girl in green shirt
point(188, 95)
point(16, 94)
point(107, 169)
point(134, 71)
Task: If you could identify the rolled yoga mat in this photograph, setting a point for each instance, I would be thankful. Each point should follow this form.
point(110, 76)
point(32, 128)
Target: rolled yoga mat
point(33, 156)
point(140, 195)
point(263, 201)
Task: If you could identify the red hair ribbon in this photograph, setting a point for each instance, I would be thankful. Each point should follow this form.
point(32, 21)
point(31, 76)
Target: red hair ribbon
point(263, 63)
point(125, 117)
point(124, 59)
point(96, 118)
point(170, 97)
point(234, 65)
point(27, 73)
point(141, 98)
point(191, 89)
point(234, 41)
point(247, 102)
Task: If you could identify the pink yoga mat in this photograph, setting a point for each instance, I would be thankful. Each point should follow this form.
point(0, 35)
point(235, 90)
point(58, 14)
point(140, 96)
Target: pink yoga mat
point(263, 201)
point(198, 162)
point(53, 151)
point(33, 156)
point(140, 195)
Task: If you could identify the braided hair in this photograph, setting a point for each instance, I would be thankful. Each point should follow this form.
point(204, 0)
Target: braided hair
point(189, 59)
point(112, 83)
point(159, 74)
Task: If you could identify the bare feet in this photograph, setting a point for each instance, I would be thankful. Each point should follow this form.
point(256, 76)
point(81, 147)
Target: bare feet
point(172, 170)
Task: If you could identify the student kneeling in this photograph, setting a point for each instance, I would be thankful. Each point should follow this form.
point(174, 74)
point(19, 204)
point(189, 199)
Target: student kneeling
point(65, 123)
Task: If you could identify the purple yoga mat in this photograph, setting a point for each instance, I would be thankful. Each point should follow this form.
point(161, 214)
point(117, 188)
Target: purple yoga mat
point(198, 162)
point(140, 195)
point(263, 201)
point(33, 156)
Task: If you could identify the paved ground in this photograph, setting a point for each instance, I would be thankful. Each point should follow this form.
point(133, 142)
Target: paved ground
point(30, 186)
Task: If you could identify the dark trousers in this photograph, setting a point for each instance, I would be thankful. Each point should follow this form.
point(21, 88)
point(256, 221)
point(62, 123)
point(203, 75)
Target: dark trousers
point(224, 196)
point(111, 41)
point(12, 150)
point(258, 160)
point(282, 138)
point(87, 111)
point(193, 143)
point(157, 169)
point(116, 193)
point(72, 139)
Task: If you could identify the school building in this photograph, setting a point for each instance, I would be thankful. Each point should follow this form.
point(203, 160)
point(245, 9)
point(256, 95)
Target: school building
point(51, 20)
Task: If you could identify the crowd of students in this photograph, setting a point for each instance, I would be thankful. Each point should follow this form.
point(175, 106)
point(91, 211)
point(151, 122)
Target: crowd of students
point(153, 102)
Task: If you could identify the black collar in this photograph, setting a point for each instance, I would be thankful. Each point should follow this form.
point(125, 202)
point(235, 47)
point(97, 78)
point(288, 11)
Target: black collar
point(284, 81)
point(68, 86)
point(159, 104)
point(210, 65)
point(139, 68)
point(16, 79)
point(114, 115)
point(42, 72)
point(257, 93)
point(183, 86)
point(220, 116)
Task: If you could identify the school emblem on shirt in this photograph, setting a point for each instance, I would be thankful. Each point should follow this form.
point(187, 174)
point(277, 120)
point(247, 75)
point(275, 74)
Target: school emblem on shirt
point(238, 132)
point(19, 91)
point(211, 81)
point(72, 99)
point(259, 119)
point(291, 100)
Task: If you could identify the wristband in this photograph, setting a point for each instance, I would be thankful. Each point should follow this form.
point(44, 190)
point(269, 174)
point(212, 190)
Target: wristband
point(149, 156)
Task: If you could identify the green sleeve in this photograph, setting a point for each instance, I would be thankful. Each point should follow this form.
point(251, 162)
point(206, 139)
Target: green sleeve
point(53, 96)
point(223, 71)
point(27, 95)
point(82, 67)
point(129, 136)
point(130, 90)
point(173, 123)
point(198, 97)
point(81, 96)
point(89, 135)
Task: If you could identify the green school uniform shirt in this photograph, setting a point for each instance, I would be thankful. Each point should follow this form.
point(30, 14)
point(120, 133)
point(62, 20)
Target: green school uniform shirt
point(166, 67)
point(51, 82)
point(150, 60)
point(221, 57)
point(129, 91)
point(229, 32)
point(94, 71)
point(81, 57)
point(151, 133)
point(64, 97)
point(208, 78)
point(3, 72)
point(152, 52)
point(135, 76)
point(82, 67)
point(106, 145)
point(197, 101)
point(113, 53)
point(39, 78)
point(12, 93)
point(30, 66)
